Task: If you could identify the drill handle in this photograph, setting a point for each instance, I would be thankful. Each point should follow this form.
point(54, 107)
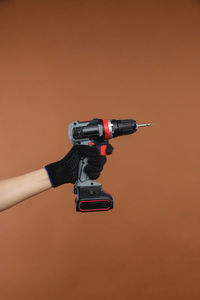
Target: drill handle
point(83, 179)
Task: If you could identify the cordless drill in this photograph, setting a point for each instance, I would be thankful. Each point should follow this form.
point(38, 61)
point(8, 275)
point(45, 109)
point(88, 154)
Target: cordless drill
point(96, 133)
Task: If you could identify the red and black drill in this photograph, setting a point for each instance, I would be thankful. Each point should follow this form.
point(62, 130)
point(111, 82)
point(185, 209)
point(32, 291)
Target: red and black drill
point(96, 133)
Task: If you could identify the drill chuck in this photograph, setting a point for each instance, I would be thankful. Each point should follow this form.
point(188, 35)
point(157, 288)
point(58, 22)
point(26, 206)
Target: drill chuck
point(123, 127)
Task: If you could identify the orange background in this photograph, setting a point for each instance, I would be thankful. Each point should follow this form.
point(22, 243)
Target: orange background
point(62, 61)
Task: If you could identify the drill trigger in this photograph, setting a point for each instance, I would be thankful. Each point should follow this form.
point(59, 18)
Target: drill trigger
point(103, 150)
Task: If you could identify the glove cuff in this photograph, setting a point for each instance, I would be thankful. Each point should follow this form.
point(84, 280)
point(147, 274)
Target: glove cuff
point(55, 173)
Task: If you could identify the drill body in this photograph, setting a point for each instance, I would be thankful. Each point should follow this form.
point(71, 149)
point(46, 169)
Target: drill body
point(95, 133)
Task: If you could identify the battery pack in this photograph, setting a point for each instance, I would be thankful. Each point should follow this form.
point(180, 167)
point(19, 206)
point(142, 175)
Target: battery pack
point(91, 199)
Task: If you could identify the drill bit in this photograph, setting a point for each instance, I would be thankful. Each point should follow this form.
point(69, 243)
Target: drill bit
point(144, 124)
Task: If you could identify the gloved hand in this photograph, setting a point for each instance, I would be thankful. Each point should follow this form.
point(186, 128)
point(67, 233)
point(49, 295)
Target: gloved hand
point(66, 169)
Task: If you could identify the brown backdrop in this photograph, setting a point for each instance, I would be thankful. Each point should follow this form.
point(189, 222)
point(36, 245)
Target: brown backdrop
point(62, 61)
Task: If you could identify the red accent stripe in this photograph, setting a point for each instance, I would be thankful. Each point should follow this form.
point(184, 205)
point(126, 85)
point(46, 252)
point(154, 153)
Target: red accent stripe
point(106, 129)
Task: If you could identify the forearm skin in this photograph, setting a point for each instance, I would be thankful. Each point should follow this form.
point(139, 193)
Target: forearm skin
point(19, 188)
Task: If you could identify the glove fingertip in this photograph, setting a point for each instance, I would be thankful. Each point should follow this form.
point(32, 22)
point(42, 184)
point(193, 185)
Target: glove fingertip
point(94, 175)
point(109, 149)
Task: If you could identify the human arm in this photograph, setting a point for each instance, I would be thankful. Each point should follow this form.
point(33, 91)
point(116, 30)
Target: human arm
point(16, 189)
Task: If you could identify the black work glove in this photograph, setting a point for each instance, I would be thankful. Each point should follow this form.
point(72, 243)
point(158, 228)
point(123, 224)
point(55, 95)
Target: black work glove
point(66, 169)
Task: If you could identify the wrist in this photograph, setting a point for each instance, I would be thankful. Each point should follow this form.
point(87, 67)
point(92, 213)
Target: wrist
point(57, 173)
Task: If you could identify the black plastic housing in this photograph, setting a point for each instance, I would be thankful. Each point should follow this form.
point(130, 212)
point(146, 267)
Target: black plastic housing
point(123, 127)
